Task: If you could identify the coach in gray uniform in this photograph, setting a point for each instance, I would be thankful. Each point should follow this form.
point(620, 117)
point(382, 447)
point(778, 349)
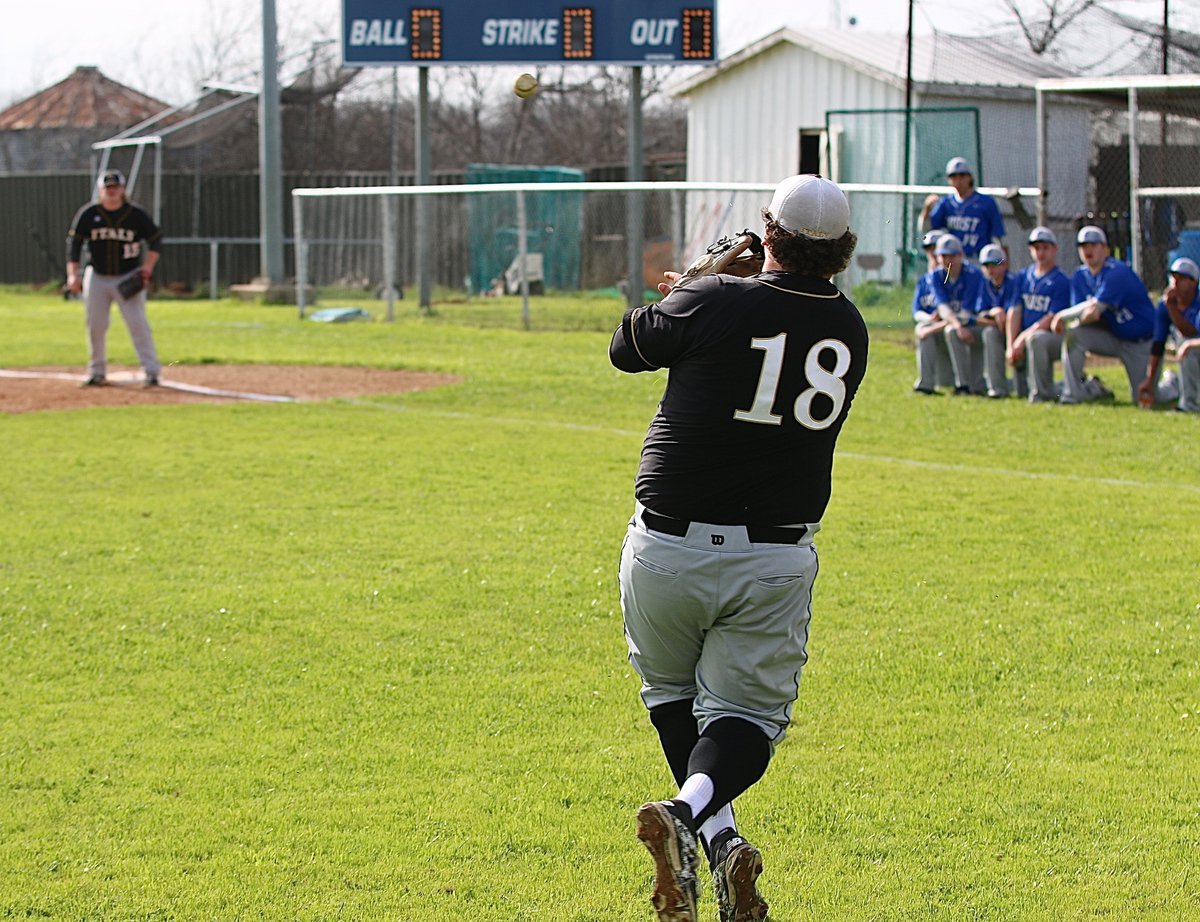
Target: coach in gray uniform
point(122, 241)
point(718, 563)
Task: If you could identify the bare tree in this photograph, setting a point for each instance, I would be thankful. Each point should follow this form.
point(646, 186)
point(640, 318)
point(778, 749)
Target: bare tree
point(462, 130)
point(224, 53)
point(578, 118)
point(1051, 17)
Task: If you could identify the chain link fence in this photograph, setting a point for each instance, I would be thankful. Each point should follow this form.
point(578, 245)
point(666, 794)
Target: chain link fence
point(1143, 169)
point(489, 240)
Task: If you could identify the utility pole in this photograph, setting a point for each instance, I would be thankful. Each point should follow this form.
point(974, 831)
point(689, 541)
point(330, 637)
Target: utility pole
point(908, 79)
point(634, 216)
point(270, 159)
point(1166, 36)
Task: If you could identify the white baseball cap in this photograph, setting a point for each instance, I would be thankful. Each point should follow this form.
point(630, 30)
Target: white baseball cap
point(992, 255)
point(1091, 234)
point(958, 165)
point(1042, 234)
point(931, 238)
point(948, 245)
point(112, 178)
point(1185, 266)
point(811, 206)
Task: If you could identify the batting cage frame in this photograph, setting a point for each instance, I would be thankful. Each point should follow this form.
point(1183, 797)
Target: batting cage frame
point(1145, 161)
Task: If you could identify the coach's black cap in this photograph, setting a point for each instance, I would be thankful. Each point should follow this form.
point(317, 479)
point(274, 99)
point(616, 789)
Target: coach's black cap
point(112, 178)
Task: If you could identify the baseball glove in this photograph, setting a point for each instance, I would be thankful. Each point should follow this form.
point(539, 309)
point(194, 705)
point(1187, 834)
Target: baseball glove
point(739, 254)
point(131, 285)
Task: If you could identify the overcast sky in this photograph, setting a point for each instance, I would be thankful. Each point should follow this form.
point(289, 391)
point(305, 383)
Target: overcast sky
point(165, 48)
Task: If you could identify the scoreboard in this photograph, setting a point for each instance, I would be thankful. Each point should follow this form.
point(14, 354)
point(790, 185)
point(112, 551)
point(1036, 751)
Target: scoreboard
point(630, 32)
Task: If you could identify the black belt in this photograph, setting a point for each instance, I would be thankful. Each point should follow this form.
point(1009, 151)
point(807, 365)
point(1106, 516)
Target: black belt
point(758, 534)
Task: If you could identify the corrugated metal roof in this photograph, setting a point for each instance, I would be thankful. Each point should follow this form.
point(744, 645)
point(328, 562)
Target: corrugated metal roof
point(939, 59)
point(86, 99)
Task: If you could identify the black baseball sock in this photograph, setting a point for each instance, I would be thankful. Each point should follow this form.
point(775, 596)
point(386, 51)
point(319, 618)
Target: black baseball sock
point(732, 752)
point(678, 734)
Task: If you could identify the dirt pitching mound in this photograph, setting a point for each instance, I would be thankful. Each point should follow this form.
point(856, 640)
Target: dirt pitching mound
point(30, 390)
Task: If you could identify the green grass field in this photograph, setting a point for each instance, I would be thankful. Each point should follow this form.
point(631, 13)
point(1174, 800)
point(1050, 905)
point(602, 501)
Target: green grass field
point(363, 659)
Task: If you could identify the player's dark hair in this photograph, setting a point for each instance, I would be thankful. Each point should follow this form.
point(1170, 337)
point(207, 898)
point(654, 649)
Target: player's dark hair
point(807, 255)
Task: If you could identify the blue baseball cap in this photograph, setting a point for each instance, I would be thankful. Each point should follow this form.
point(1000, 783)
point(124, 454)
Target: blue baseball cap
point(1185, 266)
point(992, 255)
point(958, 165)
point(948, 245)
point(1042, 234)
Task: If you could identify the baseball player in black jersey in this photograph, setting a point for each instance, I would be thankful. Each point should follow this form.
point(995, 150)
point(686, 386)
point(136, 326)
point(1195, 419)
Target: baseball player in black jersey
point(123, 243)
point(718, 563)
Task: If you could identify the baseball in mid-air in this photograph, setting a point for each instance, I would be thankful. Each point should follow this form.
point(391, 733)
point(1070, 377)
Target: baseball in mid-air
point(525, 85)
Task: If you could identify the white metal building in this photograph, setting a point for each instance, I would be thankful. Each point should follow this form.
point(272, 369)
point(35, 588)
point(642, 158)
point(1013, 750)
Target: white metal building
point(763, 113)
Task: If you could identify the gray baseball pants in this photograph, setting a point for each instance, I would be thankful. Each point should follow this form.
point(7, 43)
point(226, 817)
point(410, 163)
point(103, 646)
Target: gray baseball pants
point(1042, 350)
point(979, 366)
point(713, 617)
point(1189, 382)
point(933, 363)
point(1092, 337)
point(99, 292)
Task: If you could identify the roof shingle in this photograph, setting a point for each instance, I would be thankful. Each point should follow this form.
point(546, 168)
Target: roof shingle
point(85, 99)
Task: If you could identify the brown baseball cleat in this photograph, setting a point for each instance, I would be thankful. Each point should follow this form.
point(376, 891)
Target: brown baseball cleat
point(672, 845)
point(735, 876)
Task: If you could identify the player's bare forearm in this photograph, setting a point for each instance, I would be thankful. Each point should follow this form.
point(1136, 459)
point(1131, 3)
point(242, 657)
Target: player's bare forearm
point(1145, 389)
point(925, 330)
point(926, 207)
point(1152, 368)
point(1013, 324)
point(1059, 321)
point(1182, 324)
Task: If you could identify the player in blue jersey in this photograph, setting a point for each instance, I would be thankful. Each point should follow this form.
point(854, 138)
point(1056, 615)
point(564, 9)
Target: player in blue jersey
point(956, 285)
point(1117, 320)
point(1087, 276)
point(933, 358)
point(1043, 290)
point(970, 216)
point(1178, 310)
point(997, 296)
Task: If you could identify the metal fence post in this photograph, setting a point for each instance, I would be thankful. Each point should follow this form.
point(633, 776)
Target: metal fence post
point(301, 253)
point(522, 253)
point(389, 254)
point(1135, 182)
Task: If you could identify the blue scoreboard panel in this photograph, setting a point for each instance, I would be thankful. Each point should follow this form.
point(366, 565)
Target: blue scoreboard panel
point(632, 32)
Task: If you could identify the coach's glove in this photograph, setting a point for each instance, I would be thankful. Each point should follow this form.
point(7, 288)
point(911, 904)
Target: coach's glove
point(131, 285)
point(740, 254)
